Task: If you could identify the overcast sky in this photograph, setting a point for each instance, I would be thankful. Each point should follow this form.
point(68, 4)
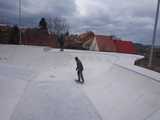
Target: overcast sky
point(126, 19)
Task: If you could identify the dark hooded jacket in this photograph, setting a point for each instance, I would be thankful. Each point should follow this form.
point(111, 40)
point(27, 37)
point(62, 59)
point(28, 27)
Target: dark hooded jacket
point(79, 65)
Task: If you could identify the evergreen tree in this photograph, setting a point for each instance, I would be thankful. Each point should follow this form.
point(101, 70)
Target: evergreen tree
point(43, 24)
point(14, 35)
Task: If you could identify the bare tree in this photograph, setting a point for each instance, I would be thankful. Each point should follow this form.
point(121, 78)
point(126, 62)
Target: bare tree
point(60, 28)
point(58, 25)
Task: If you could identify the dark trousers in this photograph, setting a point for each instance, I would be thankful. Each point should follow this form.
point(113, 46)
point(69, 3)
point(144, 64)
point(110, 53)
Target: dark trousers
point(61, 46)
point(80, 76)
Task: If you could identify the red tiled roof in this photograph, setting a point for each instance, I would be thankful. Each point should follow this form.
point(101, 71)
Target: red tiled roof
point(125, 46)
point(105, 43)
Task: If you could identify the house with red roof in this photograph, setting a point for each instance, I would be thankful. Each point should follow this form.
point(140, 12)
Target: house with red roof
point(125, 46)
point(105, 43)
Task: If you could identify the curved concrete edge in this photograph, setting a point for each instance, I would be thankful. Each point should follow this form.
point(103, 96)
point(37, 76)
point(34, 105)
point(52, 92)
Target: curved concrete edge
point(128, 61)
point(145, 72)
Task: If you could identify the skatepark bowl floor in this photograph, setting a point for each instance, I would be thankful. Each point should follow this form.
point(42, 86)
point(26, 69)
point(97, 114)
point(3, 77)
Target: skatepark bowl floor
point(38, 83)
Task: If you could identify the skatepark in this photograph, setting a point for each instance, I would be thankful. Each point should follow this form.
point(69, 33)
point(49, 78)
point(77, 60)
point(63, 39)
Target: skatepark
point(37, 83)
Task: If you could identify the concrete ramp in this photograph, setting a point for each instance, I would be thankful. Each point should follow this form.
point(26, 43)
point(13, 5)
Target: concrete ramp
point(54, 101)
point(38, 84)
point(13, 72)
point(125, 95)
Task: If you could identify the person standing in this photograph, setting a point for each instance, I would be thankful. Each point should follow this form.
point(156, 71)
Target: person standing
point(79, 70)
point(60, 39)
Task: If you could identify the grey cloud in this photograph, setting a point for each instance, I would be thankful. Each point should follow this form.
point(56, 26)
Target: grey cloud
point(50, 7)
point(34, 9)
point(8, 5)
point(128, 19)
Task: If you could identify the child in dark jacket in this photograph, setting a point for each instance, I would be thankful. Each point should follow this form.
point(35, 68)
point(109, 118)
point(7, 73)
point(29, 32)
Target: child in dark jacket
point(79, 70)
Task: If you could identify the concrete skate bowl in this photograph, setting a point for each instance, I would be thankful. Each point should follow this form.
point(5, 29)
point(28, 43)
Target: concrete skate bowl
point(113, 92)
